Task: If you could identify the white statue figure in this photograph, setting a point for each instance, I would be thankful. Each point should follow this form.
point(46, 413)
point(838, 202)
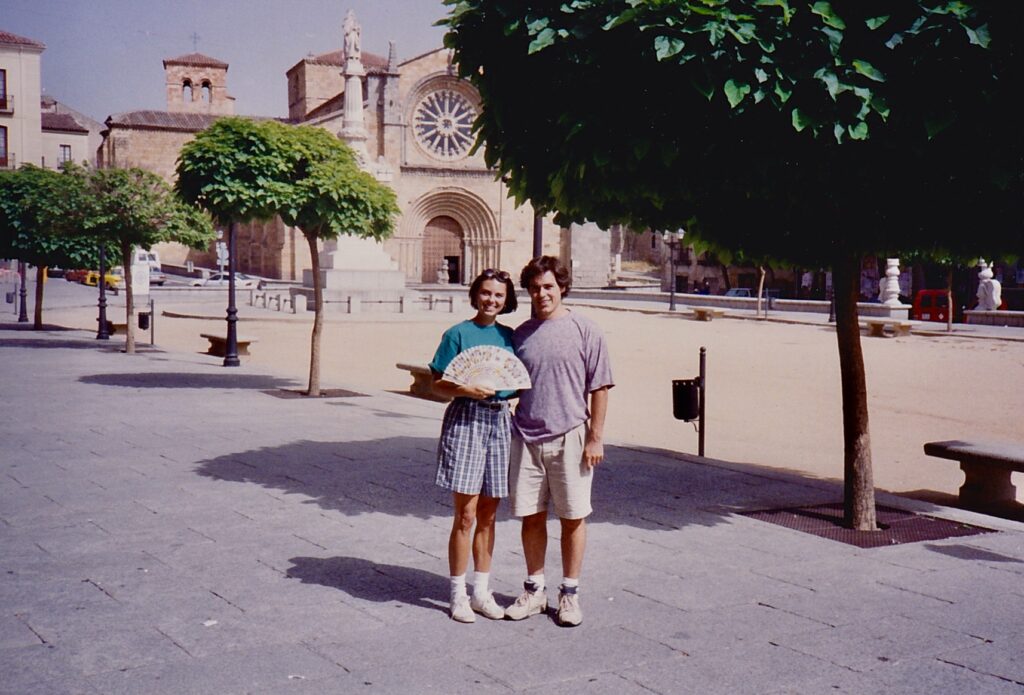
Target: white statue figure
point(989, 290)
point(353, 33)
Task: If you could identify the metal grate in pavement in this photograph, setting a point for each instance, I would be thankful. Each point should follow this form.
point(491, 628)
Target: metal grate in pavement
point(895, 525)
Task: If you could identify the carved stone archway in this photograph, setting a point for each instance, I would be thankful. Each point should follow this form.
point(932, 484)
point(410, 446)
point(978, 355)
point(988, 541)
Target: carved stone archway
point(481, 237)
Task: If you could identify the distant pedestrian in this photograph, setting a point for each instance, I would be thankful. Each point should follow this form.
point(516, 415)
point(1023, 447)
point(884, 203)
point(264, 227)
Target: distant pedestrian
point(558, 432)
point(472, 453)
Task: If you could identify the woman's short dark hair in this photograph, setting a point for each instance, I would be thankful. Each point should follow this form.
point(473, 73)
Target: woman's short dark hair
point(543, 264)
point(511, 303)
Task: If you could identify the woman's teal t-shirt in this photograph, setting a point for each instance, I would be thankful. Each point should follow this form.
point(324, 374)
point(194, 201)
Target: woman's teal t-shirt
point(467, 334)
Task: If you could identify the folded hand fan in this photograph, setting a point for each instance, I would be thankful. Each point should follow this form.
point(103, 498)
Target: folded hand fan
point(489, 366)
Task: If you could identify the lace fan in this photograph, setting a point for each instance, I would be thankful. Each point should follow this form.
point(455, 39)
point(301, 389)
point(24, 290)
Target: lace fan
point(490, 366)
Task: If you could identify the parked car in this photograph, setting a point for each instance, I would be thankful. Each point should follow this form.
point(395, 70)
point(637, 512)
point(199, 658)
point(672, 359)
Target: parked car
point(114, 279)
point(76, 275)
point(54, 271)
point(738, 292)
point(242, 281)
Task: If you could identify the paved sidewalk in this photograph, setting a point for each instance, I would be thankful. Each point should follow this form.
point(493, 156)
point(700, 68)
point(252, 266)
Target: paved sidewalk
point(171, 526)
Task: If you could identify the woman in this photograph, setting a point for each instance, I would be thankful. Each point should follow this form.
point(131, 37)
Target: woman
point(472, 454)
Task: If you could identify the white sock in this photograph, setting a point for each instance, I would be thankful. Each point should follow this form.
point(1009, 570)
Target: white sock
point(568, 582)
point(538, 580)
point(458, 586)
point(480, 582)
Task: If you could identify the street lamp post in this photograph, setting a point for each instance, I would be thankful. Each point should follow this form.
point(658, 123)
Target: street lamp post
point(23, 293)
point(231, 344)
point(674, 241)
point(102, 333)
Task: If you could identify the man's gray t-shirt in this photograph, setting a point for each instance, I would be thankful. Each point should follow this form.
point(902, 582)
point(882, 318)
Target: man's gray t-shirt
point(567, 358)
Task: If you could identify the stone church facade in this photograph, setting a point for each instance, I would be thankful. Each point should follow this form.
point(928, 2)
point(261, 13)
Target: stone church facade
point(456, 218)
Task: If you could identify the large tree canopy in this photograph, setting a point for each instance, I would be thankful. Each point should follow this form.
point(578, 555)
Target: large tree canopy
point(133, 207)
point(782, 129)
point(41, 211)
point(809, 132)
point(241, 170)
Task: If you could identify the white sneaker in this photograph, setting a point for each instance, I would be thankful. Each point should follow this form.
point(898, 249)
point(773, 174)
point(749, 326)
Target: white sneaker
point(460, 610)
point(487, 607)
point(531, 602)
point(569, 613)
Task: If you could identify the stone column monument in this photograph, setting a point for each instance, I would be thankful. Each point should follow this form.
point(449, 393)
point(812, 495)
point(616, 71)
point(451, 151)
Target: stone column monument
point(889, 287)
point(352, 267)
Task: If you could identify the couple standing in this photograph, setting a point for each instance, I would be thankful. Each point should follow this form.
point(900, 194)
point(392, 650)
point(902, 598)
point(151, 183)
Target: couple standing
point(544, 453)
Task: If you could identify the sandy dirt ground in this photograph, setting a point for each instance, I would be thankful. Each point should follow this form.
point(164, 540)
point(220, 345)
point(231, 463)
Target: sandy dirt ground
point(773, 390)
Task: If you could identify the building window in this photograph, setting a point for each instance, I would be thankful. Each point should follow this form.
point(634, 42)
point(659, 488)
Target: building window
point(3, 147)
point(206, 92)
point(3, 91)
point(65, 154)
point(186, 91)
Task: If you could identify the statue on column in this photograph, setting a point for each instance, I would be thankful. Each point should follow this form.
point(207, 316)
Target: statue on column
point(989, 290)
point(353, 35)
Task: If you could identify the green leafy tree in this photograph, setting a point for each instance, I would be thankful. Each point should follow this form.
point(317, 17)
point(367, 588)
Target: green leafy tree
point(328, 195)
point(233, 169)
point(242, 170)
point(133, 207)
point(40, 216)
point(810, 133)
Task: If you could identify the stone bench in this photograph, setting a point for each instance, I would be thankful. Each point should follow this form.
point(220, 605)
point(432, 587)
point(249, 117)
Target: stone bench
point(219, 344)
point(876, 326)
point(422, 381)
point(706, 313)
point(987, 468)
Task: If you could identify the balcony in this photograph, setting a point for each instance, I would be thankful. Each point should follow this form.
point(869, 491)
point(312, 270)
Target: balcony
point(6, 103)
point(7, 161)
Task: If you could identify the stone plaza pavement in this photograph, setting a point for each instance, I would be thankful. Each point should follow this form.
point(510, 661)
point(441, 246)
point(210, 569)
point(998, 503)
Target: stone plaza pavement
point(168, 525)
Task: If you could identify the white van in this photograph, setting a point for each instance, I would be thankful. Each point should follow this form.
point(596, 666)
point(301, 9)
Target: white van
point(152, 259)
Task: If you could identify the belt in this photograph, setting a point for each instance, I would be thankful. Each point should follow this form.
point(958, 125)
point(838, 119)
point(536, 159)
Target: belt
point(489, 405)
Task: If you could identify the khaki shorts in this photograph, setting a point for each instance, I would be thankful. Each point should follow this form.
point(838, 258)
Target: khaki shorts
point(550, 470)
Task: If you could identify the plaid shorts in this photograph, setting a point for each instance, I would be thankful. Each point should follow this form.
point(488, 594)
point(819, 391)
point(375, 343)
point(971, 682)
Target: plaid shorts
point(472, 454)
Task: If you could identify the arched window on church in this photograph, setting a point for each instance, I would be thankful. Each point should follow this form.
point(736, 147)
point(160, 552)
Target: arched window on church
point(186, 91)
point(206, 91)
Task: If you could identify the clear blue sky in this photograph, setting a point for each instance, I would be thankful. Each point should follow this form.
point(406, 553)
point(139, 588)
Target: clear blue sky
point(105, 56)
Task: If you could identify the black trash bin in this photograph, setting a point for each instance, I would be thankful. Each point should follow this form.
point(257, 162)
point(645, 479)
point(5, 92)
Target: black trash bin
point(144, 320)
point(686, 399)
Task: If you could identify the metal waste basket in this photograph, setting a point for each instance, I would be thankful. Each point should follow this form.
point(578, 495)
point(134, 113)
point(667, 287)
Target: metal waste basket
point(686, 399)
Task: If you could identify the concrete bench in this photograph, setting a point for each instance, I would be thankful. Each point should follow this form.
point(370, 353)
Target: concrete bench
point(706, 313)
point(422, 381)
point(219, 344)
point(987, 468)
point(876, 326)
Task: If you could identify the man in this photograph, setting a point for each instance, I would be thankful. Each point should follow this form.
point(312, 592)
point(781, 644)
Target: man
point(556, 439)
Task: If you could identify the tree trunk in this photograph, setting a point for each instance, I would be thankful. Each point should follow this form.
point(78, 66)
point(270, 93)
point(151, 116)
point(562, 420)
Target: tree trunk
point(37, 310)
point(949, 300)
point(129, 300)
point(725, 276)
point(760, 290)
point(859, 489)
point(318, 318)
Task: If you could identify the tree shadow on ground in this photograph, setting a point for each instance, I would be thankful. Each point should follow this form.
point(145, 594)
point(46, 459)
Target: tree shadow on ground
point(644, 488)
point(29, 327)
point(373, 581)
point(189, 380)
point(53, 343)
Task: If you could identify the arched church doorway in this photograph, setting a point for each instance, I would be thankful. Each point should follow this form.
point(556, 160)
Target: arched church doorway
point(442, 240)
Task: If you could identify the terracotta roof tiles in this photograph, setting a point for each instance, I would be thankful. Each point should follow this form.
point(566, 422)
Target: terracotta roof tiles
point(8, 37)
point(64, 122)
point(196, 59)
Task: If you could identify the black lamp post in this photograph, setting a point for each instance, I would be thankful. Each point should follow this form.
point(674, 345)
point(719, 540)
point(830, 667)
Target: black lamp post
point(23, 293)
point(102, 333)
point(674, 241)
point(231, 346)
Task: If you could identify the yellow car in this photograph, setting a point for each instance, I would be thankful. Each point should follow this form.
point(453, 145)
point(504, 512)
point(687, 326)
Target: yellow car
point(114, 279)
